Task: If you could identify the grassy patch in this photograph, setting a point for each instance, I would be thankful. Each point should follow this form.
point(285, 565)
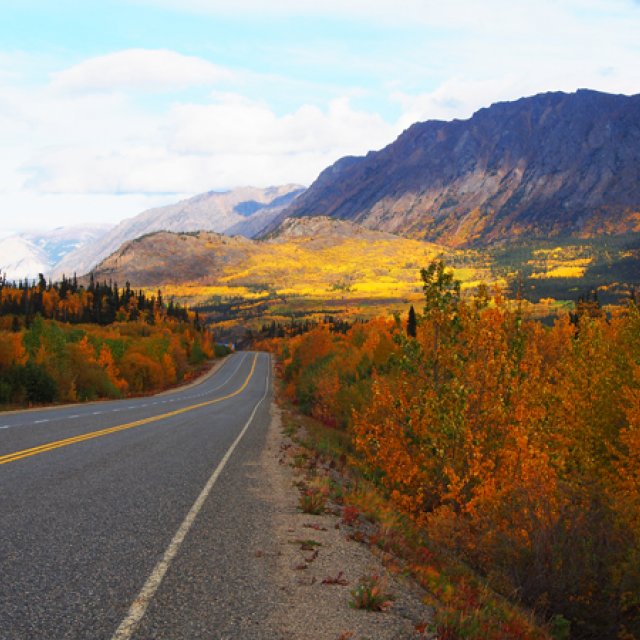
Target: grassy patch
point(371, 594)
point(313, 502)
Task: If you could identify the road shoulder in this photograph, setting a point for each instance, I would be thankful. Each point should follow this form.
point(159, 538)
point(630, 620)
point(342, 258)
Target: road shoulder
point(319, 564)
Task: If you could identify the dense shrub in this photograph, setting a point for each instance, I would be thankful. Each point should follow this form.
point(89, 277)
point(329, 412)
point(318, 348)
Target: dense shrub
point(514, 445)
point(27, 383)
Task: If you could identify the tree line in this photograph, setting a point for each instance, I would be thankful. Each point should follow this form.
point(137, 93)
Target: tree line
point(67, 342)
point(98, 302)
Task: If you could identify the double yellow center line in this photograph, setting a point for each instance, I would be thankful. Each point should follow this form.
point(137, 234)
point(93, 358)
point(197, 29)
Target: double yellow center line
point(50, 446)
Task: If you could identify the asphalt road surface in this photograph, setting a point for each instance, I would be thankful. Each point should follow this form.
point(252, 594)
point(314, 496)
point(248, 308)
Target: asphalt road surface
point(138, 518)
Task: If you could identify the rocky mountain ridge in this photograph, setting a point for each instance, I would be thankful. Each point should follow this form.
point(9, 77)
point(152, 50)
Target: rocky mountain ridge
point(550, 164)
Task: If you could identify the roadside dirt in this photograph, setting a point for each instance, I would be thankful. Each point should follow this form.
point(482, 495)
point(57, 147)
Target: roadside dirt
point(318, 566)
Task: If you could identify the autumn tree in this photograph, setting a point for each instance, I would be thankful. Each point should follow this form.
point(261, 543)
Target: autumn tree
point(442, 301)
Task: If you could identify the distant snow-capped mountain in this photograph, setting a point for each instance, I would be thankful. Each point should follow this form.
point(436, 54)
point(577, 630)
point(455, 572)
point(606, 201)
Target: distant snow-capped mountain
point(25, 255)
point(20, 258)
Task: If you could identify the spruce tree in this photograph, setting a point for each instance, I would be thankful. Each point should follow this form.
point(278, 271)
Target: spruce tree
point(412, 323)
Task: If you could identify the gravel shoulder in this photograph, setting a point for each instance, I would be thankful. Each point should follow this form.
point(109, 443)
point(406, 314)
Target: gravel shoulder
point(311, 549)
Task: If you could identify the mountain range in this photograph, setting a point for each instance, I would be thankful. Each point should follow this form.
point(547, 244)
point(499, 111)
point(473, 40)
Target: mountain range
point(553, 164)
point(245, 211)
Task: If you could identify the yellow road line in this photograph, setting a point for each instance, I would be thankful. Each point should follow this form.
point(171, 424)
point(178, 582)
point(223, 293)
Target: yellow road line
point(49, 446)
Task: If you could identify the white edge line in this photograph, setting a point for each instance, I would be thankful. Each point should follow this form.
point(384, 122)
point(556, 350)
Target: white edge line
point(143, 599)
point(117, 410)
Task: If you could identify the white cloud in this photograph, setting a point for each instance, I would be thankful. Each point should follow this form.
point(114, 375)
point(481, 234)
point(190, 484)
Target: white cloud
point(229, 142)
point(84, 143)
point(28, 210)
point(460, 96)
point(232, 124)
point(139, 69)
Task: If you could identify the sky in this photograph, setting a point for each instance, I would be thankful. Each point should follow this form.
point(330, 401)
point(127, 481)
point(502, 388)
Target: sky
point(108, 108)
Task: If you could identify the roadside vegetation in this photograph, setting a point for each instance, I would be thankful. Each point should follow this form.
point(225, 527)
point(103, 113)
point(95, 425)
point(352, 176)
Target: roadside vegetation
point(501, 456)
point(66, 343)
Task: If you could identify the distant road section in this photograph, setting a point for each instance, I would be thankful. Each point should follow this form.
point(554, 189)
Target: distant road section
point(137, 518)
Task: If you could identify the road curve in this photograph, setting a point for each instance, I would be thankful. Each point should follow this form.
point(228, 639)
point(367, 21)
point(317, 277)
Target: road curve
point(138, 518)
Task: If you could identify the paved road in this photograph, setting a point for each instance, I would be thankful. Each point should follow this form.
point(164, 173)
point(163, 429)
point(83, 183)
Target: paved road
point(138, 518)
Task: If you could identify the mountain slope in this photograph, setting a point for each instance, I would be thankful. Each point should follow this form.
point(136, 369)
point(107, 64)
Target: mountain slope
point(167, 257)
point(550, 164)
point(312, 257)
point(212, 211)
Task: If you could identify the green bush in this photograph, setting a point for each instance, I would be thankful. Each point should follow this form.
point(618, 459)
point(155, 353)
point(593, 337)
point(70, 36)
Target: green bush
point(221, 350)
point(30, 382)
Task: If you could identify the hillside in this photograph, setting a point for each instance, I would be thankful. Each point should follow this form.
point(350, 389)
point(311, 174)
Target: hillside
point(165, 257)
point(547, 165)
point(243, 211)
point(307, 257)
point(63, 342)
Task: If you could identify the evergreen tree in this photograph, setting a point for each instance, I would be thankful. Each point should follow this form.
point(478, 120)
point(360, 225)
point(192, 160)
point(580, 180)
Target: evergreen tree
point(412, 323)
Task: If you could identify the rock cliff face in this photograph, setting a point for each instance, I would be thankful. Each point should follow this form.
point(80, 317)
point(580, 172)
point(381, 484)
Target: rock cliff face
point(550, 164)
